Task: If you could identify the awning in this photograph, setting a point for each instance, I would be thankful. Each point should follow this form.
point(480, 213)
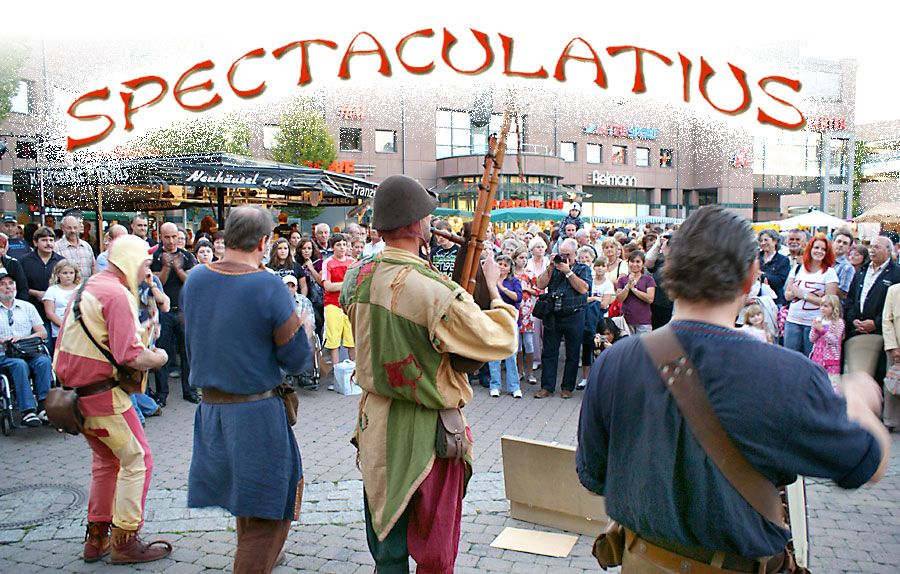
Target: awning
point(814, 218)
point(177, 181)
point(525, 214)
point(640, 220)
point(449, 212)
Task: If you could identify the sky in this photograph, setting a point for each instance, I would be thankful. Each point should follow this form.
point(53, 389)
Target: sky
point(97, 43)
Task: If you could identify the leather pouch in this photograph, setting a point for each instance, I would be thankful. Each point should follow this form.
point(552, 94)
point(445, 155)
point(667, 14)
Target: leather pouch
point(451, 439)
point(63, 412)
point(609, 547)
point(291, 402)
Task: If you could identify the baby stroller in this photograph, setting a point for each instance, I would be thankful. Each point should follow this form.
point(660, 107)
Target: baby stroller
point(308, 379)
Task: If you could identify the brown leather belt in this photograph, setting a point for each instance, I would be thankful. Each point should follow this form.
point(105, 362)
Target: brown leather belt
point(216, 397)
point(96, 388)
point(701, 561)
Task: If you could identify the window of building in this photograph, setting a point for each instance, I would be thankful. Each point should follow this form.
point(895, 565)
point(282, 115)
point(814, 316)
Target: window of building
point(664, 196)
point(19, 103)
point(593, 153)
point(385, 141)
point(642, 157)
point(567, 151)
point(619, 155)
point(665, 157)
point(707, 197)
point(351, 139)
point(839, 164)
point(270, 133)
point(455, 136)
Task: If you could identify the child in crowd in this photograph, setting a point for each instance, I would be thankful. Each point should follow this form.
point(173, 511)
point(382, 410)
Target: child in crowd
point(307, 379)
point(755, 324)
point(511, 292)
point(601, 295)
point(526, 321)
point(64, 279)
point(337, 324)
point(826, 335)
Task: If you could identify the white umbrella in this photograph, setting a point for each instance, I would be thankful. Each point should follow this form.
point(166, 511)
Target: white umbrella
point(814, 218)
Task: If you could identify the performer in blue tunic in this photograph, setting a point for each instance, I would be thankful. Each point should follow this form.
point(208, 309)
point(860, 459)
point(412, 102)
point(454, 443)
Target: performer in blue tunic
point(241, 329)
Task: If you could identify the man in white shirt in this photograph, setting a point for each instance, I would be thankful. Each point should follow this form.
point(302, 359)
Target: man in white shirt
point(20, 320)
point(114, 232)
point(375, 244)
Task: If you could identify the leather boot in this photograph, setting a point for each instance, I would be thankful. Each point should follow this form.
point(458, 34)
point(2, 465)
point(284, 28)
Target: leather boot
point(96, 541)
point(127, 548)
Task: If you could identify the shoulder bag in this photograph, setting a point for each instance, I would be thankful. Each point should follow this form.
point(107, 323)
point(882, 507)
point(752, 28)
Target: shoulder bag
point(26, 349)
point(451, 437)
point(679, 375)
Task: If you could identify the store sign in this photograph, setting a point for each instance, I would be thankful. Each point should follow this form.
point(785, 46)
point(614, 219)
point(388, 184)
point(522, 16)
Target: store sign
point(549, 204)
point(353, 112)
point(607, 178)
point(348, 167)
point(819, 124)
point(74, 176)
point(224, 178)
point(739, 158)
point(127, 152)
point(620, 131)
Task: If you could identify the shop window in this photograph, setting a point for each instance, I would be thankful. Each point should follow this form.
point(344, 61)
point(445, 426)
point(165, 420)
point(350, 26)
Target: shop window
point(710, 197)
point(619, 155)
point(567, 151)
point(351, 139)
point(593, 153)
point(665, 157)
point(664, 196)
point(385, 141)
point(20, 103)
point(452, 133)
point(642, 157)
point(270, 133)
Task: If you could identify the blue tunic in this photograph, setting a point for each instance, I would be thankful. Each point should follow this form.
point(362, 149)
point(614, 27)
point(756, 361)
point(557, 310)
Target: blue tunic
point(245, 456)
point(634, 446)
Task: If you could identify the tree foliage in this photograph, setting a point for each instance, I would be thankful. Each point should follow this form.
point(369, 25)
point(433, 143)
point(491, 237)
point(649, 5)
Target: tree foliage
point(202, 135)
point(303, 137)
point(12, 56)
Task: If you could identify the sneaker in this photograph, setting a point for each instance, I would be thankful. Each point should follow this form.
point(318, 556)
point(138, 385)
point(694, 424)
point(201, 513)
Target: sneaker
point(495, 392)
point(517, 394)
point(31, 420)
point(535, 366)
point(532, 380)
point(43, 417)
point(175, 373)
point(581, 385)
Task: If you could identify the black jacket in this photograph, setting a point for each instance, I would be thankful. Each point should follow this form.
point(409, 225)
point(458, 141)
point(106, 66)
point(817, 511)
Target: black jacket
point(776, 271)
point(14, 268)
point(874, 304)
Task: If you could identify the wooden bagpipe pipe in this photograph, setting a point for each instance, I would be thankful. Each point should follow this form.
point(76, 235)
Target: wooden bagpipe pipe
point(467, 270)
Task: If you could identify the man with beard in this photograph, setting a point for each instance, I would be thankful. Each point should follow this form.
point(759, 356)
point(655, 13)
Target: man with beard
point(122, 458)
point(796, 243)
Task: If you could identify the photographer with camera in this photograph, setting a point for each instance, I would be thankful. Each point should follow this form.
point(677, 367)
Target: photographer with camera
point(568, 283)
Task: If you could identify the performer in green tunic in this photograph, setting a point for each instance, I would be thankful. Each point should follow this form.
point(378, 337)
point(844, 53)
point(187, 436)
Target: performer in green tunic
point(408, 319)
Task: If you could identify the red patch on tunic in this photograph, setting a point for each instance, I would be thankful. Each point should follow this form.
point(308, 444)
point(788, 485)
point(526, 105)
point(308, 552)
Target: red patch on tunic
point(402, 372)
point(98, 432)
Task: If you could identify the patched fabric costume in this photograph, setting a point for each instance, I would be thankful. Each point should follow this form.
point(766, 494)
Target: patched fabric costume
point(409, 319)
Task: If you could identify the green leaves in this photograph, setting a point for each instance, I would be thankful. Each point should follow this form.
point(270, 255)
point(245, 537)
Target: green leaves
point(228, 135)
point(12, 56)
point(303, 137)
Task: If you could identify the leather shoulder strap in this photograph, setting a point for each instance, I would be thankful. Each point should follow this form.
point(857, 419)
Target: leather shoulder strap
point(680, 377)
point(76, 309)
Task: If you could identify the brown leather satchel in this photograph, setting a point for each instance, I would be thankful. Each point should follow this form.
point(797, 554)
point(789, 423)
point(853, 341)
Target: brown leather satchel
point(609, 547)
point(63, 412)
point(291, 401)
point(451, 438)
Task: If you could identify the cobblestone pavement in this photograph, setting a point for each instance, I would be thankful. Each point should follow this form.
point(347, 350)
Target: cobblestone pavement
point(851, 532)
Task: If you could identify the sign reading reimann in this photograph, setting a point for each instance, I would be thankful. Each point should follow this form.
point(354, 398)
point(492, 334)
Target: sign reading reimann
point(607, 178)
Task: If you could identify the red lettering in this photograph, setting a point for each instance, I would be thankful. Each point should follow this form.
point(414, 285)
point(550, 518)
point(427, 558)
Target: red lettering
point(496, 203)
point(257, 53)
point(764, 118)
point(350, 167)
point(450, 39)
point(639, 63)
point(503, 204)
point(101, 94)
point(507, 61)
point(428, 33)
point(706, 72)
point(305, 76)
point(128, 98)
point(385, 68)
point(560, 64)
point(686, 74)
point(207, 85)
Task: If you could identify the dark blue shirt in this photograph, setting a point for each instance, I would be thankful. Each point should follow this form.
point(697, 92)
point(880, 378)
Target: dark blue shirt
point(636, 449)
point(573, 301)
point(18, 248)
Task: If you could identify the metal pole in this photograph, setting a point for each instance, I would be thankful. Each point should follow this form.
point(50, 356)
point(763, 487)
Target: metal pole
point(678, 173)
point(402, 134)
point(46, 112)
point(825, 170)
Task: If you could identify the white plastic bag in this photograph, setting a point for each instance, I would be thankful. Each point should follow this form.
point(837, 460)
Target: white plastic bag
point(344, 378)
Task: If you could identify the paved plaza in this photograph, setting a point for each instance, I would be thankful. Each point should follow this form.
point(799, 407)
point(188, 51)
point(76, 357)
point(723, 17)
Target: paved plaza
point(851, 532)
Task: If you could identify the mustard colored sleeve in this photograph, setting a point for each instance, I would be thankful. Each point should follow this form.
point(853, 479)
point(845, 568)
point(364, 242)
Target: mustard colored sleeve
point(461, 327)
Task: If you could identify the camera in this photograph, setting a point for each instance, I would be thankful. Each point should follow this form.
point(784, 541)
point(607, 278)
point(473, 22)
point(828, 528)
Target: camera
point(555, 258)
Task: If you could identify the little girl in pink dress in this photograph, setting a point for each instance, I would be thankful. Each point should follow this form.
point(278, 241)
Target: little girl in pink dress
point(826, 335)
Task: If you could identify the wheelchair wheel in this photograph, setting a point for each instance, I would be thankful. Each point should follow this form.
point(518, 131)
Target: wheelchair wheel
point(5, 424)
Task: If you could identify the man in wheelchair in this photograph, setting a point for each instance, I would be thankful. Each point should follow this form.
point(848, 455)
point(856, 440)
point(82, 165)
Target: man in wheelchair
point(20, 320)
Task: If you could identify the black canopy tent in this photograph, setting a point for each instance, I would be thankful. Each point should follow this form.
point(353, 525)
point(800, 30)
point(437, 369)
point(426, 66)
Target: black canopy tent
point(157, 183)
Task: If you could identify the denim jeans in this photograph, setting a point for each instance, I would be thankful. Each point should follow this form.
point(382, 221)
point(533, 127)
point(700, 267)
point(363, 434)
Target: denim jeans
point(144, 406)
point(555, 330)
point(18, 372)
point(512, 374)
point(796, 337)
